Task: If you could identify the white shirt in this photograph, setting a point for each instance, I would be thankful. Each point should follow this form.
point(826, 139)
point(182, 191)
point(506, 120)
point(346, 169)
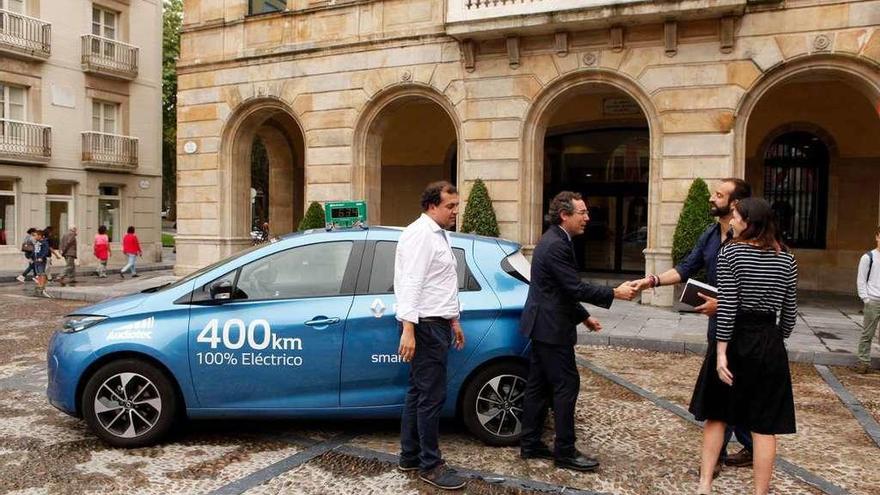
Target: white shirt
point(869, 287)
point(425, 277)
point(566, 232)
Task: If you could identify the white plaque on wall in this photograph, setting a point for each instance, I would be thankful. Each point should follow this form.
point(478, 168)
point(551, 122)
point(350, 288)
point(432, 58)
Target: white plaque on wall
point(144, 184)
point(190, 147)
point(63, 96)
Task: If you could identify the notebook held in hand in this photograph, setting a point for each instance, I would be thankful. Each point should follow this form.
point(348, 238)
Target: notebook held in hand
point(691, 290)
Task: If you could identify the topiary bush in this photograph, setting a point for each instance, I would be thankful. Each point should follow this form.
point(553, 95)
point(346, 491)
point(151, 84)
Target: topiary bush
point(695, 217)
point(314, 218)
point(479, 216)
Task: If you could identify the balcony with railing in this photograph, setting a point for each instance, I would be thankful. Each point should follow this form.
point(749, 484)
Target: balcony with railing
point(109, 57)
point(24, 37)
point(488, 18)
point(109, 152)
point(25, 142)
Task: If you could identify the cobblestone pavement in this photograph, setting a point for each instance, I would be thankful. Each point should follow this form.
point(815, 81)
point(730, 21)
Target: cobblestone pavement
point(644, 449)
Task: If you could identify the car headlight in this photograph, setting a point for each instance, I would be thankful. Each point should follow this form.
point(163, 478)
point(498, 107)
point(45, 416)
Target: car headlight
point(78, 323)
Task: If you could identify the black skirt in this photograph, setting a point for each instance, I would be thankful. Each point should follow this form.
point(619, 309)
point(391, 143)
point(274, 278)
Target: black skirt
point(761, 398)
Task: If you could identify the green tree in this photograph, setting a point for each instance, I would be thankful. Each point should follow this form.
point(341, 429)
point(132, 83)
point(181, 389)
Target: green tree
point(314, 218)
point(172, 18)
point(479, 216)
point(695, 217)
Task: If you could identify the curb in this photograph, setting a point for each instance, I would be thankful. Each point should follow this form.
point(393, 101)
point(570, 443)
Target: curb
point(699, 348)
point(90, 271)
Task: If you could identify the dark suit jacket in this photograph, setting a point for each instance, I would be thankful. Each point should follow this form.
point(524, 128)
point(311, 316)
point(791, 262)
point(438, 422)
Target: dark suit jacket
point(553, 310)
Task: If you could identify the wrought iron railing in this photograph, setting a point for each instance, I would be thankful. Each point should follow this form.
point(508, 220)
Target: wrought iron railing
point(476, 4)
point(25, 141)
point(109, 56)
point(109, 151)
point(25, 34)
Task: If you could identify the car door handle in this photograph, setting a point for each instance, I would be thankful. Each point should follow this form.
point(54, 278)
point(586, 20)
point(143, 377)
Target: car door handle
point(322, 322)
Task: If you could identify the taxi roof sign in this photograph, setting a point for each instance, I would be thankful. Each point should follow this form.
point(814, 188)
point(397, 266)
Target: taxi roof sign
point(345, 214)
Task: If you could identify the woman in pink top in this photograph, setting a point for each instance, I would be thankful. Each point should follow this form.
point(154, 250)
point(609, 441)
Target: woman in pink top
point(102, 250)
point(131, 248)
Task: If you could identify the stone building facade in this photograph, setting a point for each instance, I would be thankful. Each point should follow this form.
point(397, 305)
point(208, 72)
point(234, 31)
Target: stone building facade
point(626, 101)
point(81, 122)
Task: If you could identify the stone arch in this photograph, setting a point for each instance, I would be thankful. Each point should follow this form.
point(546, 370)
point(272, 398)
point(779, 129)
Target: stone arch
point(368, 135)
point(805, 94)
point(535, 127)
point(860, 73)
point(281, 132)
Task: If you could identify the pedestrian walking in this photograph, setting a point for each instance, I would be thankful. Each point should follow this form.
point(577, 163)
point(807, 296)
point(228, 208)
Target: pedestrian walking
point(102, 250)
point(131, 247)
point(68, 251)
point(426, 289)
point(54, 253)
point(550, 317)
point(704, 256)
point(27, 247)
point(868, 283)
point(745, 378)
point(41, 258)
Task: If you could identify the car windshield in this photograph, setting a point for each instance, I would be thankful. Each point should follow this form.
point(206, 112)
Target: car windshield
point(198, 273)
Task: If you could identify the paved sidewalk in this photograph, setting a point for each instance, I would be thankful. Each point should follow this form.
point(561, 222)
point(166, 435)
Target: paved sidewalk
point(89, 267)
point(827, 330)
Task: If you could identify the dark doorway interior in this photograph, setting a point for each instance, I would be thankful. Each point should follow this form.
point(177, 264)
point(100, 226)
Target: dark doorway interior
point(610, 167)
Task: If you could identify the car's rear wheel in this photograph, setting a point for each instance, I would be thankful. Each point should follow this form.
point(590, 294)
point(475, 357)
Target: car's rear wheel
point(492, 404)
point(129, 403)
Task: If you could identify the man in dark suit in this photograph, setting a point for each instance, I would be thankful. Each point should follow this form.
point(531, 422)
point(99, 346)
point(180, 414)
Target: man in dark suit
point(550, 317)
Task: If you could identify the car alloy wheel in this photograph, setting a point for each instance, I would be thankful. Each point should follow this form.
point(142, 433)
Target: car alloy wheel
point(128, 405)
point(499, 405)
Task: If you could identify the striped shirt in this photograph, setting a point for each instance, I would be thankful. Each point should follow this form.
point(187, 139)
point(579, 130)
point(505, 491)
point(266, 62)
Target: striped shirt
point(755, 279)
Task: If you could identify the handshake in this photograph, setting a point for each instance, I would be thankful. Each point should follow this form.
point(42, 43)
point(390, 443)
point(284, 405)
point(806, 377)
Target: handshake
point(628, 290)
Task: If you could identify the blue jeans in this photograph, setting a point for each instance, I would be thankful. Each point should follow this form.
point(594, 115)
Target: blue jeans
point(132, 259)
point(420, 422)
point(30, 267)
point(743, 436)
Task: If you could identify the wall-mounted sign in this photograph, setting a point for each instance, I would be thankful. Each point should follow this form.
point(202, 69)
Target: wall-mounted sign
point(144, 184)
point(63, 96)
point(190, 147)
point(620, 106)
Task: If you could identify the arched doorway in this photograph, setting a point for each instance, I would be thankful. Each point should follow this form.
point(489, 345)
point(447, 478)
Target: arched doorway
point(592, 135)
point(407, 139)
point(264, 179)
point(807, 143)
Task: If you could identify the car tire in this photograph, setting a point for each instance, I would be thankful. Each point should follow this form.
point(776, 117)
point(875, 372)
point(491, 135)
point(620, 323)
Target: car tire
point(129, 403)
point(491, 406)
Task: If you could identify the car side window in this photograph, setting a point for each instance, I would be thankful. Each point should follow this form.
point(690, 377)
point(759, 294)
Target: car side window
point(313, 270)
point(382, 272)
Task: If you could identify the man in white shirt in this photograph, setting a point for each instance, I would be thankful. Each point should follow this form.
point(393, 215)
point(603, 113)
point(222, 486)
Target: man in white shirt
point(869, 291)
point(426, 288)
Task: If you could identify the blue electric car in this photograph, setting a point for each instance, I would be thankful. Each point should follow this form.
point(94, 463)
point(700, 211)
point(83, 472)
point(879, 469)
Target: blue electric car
point(301, 327)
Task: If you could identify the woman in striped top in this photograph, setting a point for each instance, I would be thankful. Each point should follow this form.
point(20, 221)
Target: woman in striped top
point(745, 379)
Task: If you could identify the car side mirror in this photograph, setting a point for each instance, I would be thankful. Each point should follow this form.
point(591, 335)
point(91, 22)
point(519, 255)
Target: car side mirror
point(221, 290)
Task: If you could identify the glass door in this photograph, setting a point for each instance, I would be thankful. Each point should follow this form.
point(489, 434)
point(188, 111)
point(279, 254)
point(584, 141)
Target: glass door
point(59, 209)
point(609, 168)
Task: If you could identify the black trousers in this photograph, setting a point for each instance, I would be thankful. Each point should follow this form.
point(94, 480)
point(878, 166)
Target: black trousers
point(553, 376)
point(420, 422)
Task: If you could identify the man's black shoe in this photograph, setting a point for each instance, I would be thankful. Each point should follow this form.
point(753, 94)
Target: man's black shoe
point(403, 465)
point(443, 477)
point(577, 462)
point(540, 452)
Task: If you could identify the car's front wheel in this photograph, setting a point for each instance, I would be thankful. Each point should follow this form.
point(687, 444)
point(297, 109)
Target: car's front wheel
point(492, 404)
point(129, 403)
